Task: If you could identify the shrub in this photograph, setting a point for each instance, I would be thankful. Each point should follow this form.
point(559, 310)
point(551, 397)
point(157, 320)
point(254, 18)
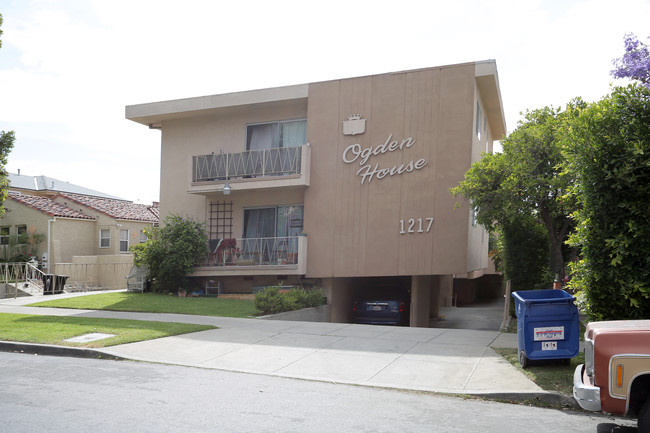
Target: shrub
point(172, 251)
point(609, 149)
point(271, 300)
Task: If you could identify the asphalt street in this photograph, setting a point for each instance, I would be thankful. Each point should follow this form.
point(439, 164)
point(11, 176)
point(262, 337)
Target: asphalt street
point(59, 394)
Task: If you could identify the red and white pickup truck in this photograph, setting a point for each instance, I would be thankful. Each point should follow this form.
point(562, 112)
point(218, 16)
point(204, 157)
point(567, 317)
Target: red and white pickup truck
point(615, 377)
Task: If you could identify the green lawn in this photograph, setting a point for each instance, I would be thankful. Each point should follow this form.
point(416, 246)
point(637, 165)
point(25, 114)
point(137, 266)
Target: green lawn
point(156, 303)
point(55, 329)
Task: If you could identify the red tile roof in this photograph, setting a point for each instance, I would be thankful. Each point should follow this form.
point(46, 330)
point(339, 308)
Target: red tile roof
point(48, 206)
point(118, 209)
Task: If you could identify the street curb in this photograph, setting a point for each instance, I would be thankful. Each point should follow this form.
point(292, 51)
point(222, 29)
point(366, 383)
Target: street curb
point(547, 398)
point(51, 350)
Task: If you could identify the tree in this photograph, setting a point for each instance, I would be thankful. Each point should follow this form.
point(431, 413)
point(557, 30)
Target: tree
point(635, 63)
point(609, 150)
point(172, 251)
point(6, 144)
point(526, 182)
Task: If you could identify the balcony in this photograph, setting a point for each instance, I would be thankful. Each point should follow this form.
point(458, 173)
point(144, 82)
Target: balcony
point(278, 167)
point(255, 256)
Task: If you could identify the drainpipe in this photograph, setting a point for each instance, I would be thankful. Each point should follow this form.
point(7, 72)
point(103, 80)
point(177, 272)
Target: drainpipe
point(49, 243)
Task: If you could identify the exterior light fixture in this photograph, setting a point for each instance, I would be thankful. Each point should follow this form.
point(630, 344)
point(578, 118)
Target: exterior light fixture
point(226, 189)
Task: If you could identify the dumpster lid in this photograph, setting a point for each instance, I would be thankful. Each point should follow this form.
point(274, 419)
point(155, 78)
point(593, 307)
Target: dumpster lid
point(543, 296)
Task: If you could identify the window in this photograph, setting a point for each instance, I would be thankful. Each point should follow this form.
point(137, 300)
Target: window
point(143, 237)
point(124, 241)
point(21, 234)
point(272, 222)
point(4, 235)
point(104, 238)
point(269, 234)
point(479, 118)
point(276, 134)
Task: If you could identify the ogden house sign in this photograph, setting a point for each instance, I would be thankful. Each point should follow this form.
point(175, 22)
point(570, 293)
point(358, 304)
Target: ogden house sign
point(354, 153)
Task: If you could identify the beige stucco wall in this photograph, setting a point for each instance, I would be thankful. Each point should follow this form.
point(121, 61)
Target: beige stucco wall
point(70, 237)
point(106, 271)
point(18, 214)
point(104, 222)
point(224, 130)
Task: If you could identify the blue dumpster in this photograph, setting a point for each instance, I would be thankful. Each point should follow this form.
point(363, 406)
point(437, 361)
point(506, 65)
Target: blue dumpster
point(547, 325)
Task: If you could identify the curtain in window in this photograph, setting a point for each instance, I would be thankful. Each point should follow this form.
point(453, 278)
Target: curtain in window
point(293, 133)
point(259, 223)
point(262, 136)
point(290, 220)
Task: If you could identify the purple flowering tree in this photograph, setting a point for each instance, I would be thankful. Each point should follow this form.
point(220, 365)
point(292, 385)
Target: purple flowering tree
point(635, 63)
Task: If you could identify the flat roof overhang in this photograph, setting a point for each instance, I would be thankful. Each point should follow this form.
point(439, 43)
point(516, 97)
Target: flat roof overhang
point(487, 83)
point(154, 113)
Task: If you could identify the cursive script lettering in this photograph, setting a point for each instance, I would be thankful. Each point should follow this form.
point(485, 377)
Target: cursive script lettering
point(387, 146)
point(355, 152)
point(367, 172)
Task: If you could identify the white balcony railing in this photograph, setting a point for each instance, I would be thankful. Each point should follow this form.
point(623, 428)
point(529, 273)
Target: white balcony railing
point(280, 251)
point(249, 164)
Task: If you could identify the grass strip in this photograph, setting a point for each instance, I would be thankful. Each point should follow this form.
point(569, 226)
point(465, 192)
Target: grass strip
point(157, 303)
point(549, 375)
point(55, 329)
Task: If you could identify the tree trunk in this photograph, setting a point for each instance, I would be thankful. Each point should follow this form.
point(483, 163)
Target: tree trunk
point(556, 238)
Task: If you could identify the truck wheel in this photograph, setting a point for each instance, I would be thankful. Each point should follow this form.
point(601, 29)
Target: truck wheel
point(644, 418)
point(523, 360)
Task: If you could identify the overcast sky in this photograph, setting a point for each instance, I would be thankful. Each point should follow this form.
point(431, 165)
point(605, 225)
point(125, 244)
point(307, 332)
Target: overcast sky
point(68, 68)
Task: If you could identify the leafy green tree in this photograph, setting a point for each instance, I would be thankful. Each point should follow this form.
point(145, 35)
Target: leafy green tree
point(525, 254)
point(172, 251)
point(525, 184)
point(6, 144)
point(608, 148)
point(7, 139)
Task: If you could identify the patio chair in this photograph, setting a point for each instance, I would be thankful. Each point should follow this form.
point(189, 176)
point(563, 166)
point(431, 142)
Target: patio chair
point(137, 279)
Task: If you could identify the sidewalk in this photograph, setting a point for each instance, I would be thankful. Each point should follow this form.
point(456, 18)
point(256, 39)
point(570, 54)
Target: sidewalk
point(457, 361)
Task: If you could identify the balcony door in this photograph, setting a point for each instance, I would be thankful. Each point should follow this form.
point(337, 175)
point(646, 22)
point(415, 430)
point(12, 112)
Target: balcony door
point(271, 135)
point(269, 233)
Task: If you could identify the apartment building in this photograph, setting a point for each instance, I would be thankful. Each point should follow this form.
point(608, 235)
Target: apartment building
point(342, 184)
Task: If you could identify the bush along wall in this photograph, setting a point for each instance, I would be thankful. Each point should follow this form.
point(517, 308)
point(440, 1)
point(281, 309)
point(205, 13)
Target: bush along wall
point(274, 300)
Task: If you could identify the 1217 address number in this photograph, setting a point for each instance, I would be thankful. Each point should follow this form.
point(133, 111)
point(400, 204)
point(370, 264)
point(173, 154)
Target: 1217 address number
point(415, 225)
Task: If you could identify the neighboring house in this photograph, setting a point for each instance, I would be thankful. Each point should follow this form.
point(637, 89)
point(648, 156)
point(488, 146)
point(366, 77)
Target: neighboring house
point(343, 184)
point(59, 227)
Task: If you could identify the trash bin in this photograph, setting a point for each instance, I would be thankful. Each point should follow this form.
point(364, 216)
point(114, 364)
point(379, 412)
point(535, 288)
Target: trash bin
point(59, 283)
point(54, 284)
point(48, 284)
point(547, 325)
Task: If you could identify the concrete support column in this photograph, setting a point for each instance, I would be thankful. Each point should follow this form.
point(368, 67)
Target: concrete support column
point(420, 300)
point(446, 290)
point(434, 301)
point(339, 295)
